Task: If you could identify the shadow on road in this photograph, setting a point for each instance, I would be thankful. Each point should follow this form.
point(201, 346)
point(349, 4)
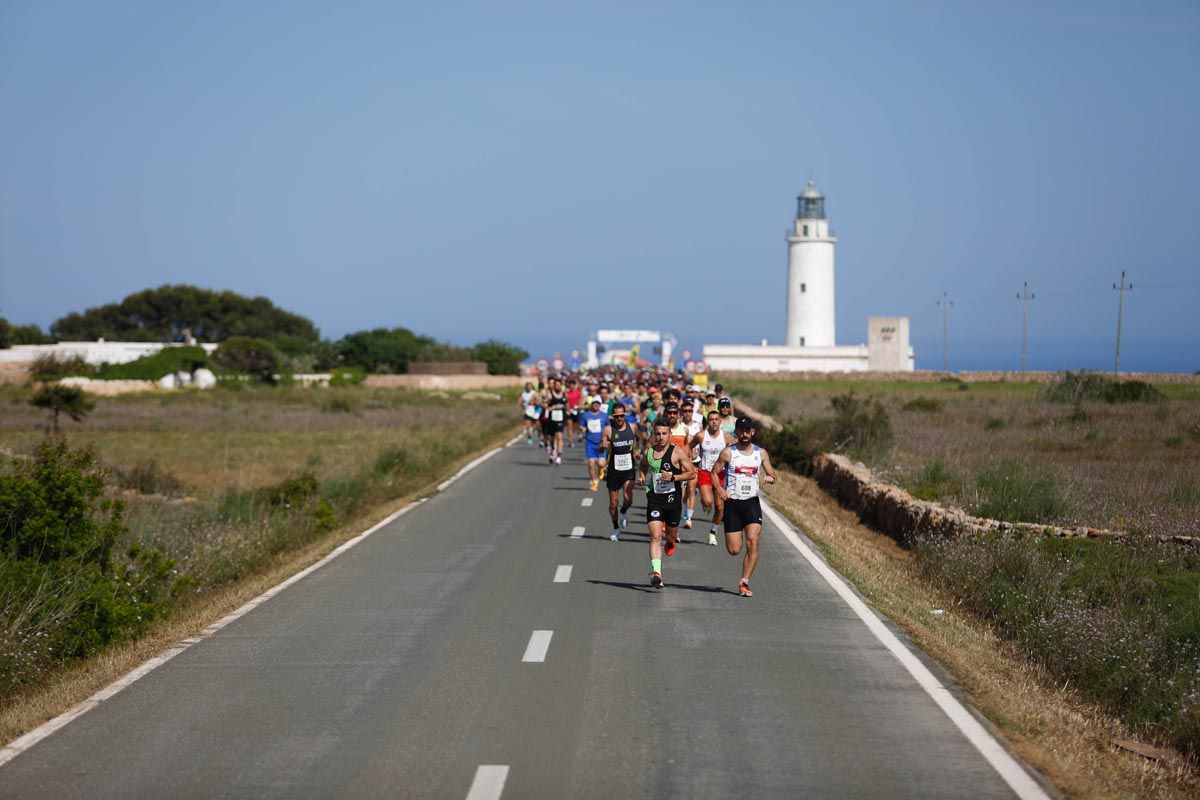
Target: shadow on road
point(641, 587)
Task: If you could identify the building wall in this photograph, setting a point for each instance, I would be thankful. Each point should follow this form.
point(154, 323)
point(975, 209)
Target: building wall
point(810, 313)
point(887, 344)
point(95, 353)
point(773, 358)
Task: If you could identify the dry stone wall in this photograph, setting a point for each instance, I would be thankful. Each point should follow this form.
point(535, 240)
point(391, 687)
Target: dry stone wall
point(895, 512)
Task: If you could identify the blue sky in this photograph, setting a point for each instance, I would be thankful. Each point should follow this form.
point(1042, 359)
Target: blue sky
point(536, 170)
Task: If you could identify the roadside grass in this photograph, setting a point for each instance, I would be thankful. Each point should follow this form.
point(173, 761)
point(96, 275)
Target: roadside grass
point(1116, 465)
point(1044, 718)
point(221, 487)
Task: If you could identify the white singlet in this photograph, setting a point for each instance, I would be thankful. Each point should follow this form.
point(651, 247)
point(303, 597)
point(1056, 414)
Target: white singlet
point(741, 476)
point(710, 449)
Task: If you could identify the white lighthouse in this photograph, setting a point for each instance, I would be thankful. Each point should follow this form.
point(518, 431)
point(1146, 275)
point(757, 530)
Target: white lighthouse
point(810, 274)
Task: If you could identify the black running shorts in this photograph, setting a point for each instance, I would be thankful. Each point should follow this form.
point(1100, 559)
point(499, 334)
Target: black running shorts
point(615, 480)
point(669, 514)
point(740, 513)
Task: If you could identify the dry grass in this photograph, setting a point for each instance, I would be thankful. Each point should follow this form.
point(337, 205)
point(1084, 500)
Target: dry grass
point(1131, 467)
point(1063, 738)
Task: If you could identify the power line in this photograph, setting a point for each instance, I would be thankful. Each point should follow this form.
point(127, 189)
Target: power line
point(1026, 298)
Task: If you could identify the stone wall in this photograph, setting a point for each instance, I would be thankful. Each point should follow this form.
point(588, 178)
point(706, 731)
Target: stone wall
point(447, 368)
point(893, 511)
point(444, 381)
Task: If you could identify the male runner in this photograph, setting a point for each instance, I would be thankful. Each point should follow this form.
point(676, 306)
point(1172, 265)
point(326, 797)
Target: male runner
point(575, 407)
point(742, 464)
point(620, 440)
point(529, 409)
point(663, 467)
point(594, 422)
point(710, 442)
point(689, 425)
point(556, 415)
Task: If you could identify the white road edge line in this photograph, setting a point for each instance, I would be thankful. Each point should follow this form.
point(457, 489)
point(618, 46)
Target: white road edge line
point(586, 502)
point(563, 573)
point(539, 643)
point(1001, 760)
point(22, 743)
point(577, 532)
point(488, 783)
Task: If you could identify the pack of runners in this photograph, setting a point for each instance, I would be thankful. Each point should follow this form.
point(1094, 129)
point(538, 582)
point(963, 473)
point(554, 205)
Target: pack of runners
point(650, 430)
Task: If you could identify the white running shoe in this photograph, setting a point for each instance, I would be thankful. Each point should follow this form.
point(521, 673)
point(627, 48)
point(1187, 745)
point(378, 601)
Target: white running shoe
point(616, 536)
point(712, 538)
point(624, 520)
point(557, 459)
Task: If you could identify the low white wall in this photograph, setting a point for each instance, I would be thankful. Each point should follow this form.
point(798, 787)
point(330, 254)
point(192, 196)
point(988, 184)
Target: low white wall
point(92, 352)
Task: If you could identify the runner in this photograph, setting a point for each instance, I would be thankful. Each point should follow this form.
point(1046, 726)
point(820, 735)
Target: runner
point(620, 440)
point(741, 463)
point(556, 415)
point(575, 407)
point(725, 408)
point(663, 467)
point(531, 412)
point(710, 442)
point(689, 425)
point(594, 422)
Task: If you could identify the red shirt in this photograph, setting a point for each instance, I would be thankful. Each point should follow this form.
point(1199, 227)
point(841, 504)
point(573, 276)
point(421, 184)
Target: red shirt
point(573, 398)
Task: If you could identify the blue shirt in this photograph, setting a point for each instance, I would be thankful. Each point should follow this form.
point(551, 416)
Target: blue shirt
point(593, 424)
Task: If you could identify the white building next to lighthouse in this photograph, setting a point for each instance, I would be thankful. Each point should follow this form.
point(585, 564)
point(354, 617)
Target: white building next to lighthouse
point(809, 343)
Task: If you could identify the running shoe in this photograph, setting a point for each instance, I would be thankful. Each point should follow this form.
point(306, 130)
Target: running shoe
point(712, 538)
point(594, 485)
point(616, 536)
point(744, 588)
point(557, 460)
point(624, 521)
point(687, 522)
point(669, 547)
point(656, 581)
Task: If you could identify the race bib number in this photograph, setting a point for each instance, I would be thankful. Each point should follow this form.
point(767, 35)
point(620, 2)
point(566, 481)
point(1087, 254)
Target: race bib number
point(744, 486)
point(623, 462)
point(661, 486)
point(556, 415)
point(594, 426)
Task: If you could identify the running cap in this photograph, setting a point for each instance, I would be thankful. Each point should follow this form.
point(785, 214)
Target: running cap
point(744, 424)
point(724, 402)
point(595, 399)
point(671, 405)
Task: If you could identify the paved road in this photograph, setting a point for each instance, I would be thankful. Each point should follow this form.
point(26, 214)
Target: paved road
point(397, 671)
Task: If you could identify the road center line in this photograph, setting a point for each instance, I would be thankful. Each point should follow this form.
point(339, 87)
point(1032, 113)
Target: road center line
point(586, 502)
point(562, 574)
point(539, 643)
point(577, 532)
point(488, 783)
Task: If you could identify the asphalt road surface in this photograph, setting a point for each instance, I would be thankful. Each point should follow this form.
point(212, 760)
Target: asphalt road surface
point(484, 646)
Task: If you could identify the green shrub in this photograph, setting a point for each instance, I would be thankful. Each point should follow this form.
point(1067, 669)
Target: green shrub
point(859, 426)
point(922, 403)
point(58, 399)
point(256, 357)
point(392, 459)
point(936, 482)
point(769, 405)
point(994, 424)
point(1077, 387)
point(290, 492)
point(50, 367)
point(347, 376)
point(338, 405)
point(1014, 492)
point(146, 477)
point(1172, 441)
point(63, 593)
point(165, 362)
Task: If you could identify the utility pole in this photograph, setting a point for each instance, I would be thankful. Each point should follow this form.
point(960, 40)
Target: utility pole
point(1122, 289)
point(945, 304)
point(1026, 298)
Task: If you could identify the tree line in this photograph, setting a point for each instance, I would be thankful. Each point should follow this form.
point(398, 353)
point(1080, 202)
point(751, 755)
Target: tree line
point(179, 313)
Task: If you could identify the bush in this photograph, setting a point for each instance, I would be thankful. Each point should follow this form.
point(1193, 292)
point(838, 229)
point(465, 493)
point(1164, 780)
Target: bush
point(1076, 387)
point(62, 592)
point(50, 367)
point(994, 424)
point(1013, 492)
point(936, 481)
point(20, 334)
point(165, 362)
point(922, 403)
point(347, 376)
point(502, 358)
point(859, 426)
point(256, 357)
point(146, 477)
point(59, 399)
point(291, 492)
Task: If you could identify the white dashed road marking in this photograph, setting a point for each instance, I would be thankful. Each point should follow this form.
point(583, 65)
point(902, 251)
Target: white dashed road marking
point(539, 643)
point(488, 783)
point(563, 573)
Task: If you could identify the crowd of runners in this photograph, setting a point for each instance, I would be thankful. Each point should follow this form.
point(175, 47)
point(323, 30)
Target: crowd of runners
point(651, 430)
